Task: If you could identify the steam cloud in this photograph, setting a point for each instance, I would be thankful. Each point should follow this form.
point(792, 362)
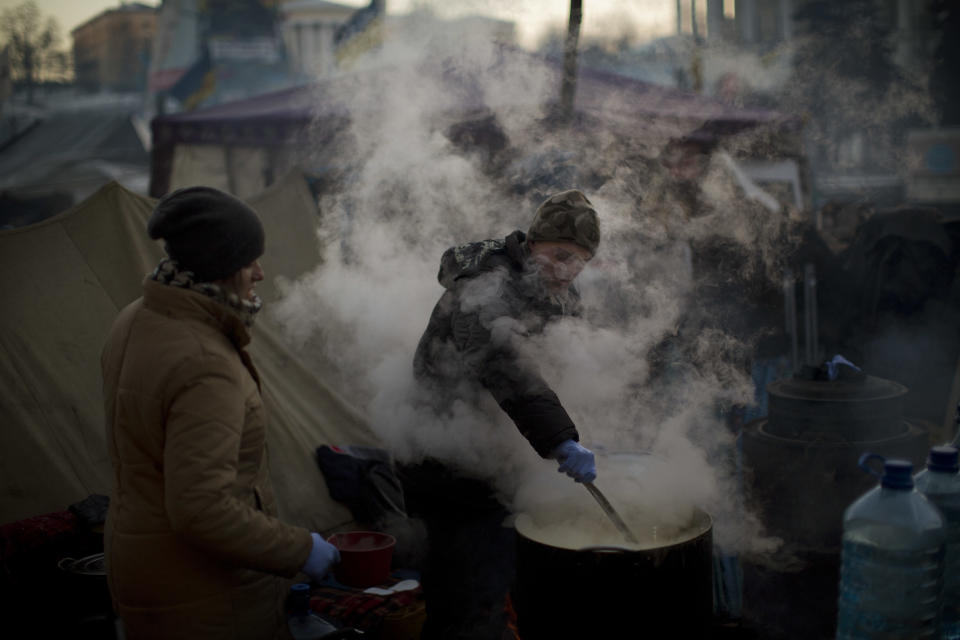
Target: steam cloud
point(412, 193)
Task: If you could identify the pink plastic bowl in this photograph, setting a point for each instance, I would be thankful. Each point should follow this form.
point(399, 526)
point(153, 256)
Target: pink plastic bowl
point(365, 557)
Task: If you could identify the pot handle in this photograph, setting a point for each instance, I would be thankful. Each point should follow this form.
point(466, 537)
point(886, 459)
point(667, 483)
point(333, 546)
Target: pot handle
point(605, 549)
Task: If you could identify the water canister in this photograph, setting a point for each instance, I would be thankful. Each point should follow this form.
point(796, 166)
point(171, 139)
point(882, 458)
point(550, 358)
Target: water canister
point(803, 474)
point(302, 622)
point(891, 564)
point(941, 484)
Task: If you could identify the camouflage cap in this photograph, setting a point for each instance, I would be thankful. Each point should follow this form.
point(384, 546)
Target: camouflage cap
point(566, 217)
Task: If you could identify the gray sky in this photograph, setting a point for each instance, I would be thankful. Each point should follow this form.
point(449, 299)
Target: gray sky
point(647, 18)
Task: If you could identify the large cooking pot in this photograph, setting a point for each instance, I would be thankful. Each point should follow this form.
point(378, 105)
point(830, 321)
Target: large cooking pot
point(659, 588)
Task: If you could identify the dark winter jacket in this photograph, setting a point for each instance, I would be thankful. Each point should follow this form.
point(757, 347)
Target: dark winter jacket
point(493, 300)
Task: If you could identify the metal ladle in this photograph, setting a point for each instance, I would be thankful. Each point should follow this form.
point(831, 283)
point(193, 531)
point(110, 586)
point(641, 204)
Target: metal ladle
point(611, 513)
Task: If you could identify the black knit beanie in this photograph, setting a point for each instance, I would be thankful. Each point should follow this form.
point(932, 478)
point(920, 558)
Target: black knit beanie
point(207, 231)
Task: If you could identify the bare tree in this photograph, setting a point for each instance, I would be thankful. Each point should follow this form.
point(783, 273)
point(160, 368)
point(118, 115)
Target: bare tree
point(33, 44)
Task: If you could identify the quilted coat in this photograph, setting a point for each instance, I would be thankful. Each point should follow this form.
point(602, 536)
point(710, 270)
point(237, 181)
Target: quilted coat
point(491, 301)
point(194, 548)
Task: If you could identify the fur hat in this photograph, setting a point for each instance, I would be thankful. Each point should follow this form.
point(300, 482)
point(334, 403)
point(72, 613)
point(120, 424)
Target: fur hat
point(566, 217)
point(207, 231)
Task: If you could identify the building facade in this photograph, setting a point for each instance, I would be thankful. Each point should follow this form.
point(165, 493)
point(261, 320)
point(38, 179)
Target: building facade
point(111, 51)
point(308, 34)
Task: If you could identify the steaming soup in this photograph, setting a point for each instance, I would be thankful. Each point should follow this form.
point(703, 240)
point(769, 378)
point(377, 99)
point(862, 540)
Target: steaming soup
point(580, 530)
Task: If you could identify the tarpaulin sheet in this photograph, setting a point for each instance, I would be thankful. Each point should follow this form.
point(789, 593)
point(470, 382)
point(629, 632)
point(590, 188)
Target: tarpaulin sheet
point(62, 282)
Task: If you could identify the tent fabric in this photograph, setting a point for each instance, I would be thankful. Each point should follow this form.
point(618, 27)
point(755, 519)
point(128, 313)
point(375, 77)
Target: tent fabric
point(69, 138)
point(281, 118)
point(70, 154)
point(63, 282)
point(238, 169)
point(601, 90)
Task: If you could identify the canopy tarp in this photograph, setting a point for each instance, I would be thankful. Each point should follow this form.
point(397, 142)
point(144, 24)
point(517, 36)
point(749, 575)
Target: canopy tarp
point(66, 156)
point(309, 116)
point(65, 279)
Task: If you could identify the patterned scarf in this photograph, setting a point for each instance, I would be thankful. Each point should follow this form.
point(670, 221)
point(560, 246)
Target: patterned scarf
point(169, 272)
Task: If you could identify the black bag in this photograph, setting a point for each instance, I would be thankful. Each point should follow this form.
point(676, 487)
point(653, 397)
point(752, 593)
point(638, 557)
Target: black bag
point(363, 479)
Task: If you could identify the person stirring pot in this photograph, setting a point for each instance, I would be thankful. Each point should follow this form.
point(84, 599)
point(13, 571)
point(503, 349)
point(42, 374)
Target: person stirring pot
point(474, 342)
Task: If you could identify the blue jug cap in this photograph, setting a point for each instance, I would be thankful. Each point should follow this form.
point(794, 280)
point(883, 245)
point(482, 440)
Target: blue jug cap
point(300, 587)
point(897, 474)
point(944, 458)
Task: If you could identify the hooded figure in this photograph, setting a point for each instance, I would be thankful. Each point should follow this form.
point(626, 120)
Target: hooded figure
point(497, 293)
point(193, 545)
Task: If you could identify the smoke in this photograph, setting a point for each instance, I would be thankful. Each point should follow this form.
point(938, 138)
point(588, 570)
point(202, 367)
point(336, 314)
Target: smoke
point(763, 74)
point(631, 380)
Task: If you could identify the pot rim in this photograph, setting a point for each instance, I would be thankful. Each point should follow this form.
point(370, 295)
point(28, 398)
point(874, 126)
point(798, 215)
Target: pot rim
point(343, 540)
point(703, 525)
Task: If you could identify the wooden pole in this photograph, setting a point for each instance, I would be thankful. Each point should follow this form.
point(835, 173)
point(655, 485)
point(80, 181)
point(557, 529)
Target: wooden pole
point(693, 20)
point(569, 86)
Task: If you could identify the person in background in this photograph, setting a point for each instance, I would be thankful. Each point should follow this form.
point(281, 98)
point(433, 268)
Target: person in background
point(497, 293)
point(193, 545)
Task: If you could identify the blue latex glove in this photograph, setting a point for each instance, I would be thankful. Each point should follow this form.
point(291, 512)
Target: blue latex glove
point(575, 461)
point(322, 557)
point(833, 366)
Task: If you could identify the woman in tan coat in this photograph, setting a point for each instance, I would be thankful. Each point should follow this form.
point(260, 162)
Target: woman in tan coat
point(194, 548)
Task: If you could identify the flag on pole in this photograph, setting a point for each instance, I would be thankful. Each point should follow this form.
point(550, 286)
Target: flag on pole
point(197, 84)
point(362, 32)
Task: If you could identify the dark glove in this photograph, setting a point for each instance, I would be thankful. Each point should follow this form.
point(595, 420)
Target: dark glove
point(575, 461)
point(322, 557)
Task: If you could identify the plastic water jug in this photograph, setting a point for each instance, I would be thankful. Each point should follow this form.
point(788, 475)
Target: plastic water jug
point(891, 566)
point(941, 484)
point(303, 623)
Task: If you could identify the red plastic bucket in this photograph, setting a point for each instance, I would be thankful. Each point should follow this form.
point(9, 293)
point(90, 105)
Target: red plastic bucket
point(365, 557)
